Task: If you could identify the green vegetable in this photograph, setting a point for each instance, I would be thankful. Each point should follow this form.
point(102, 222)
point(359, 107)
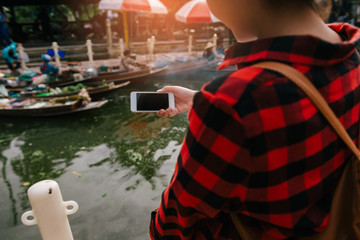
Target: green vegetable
point(73, 88)
point(43, 94)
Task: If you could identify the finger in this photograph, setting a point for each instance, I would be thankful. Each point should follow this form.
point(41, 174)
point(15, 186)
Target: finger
point(160, 113)
point(162, 89)
point(166, 113)
point(171, 112)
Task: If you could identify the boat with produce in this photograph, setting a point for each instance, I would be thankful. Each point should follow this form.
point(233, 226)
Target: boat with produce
point(61, 82)
point(91, 76)
point(95, 92)
point(21, 80)
point(51, 107)
point(35, 78)
point(102, 70)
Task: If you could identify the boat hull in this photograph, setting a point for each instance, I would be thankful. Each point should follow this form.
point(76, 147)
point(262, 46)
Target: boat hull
point(51, 111)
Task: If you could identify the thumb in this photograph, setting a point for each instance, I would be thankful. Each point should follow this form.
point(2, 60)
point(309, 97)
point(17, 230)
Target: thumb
point(164, 89)
point(160, 90)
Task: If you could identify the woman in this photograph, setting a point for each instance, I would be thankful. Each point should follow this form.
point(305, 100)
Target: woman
point(256, 145)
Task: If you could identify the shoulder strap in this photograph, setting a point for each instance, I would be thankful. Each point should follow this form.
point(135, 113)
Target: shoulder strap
point(313, 94)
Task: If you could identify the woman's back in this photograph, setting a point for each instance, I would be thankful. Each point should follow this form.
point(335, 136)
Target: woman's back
point(291, 159)
point(256, 145)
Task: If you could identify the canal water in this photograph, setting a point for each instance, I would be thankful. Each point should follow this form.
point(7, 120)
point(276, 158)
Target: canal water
point(112, 162)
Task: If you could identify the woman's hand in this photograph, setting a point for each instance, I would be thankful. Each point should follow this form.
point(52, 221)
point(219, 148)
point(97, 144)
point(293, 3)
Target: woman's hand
point(183, 100)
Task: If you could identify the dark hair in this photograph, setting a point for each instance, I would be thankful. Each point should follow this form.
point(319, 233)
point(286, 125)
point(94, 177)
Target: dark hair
point(322, 7)
point(287, 3)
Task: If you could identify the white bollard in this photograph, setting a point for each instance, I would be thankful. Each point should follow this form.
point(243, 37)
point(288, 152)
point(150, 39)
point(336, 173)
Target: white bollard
point(215, 38)
point(152, 48)
point(190, 46)
point(90, 52)
point(49, 211)
point(148, 44)
point(109, 34)
point(55, 47)
point(121, 47)
point(21, 56)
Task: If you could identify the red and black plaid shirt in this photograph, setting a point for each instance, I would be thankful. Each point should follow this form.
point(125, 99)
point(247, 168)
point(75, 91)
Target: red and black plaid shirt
point(257, 146)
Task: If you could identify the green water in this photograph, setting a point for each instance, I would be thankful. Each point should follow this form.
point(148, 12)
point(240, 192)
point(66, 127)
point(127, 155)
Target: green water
point(112, 162)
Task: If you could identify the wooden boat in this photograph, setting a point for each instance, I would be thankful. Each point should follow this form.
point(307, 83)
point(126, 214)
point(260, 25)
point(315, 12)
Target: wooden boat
point(67, 82)
point(47, 109)
point(128, 76)
point(95, 93)
point(103, 91)
point(120, 76)
point(111, 72)
point(189, 66)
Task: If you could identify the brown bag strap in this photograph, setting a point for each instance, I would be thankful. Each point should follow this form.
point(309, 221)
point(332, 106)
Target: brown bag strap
point(243, 232)
point(313, 94)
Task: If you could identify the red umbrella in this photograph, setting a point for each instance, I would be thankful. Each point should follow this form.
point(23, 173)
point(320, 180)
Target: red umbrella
point(195, 11)
point(153, 6)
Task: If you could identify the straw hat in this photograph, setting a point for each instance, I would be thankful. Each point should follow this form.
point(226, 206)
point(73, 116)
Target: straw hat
point(209, 45)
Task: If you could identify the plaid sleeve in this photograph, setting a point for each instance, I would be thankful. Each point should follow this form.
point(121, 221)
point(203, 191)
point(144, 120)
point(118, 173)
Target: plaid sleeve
point(200, 189)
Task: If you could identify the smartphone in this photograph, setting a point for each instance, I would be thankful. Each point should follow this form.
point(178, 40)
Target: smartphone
point(151, 101)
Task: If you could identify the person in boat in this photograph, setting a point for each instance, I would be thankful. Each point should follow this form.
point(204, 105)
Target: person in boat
point(129, 63)
point(11, 57)
point(256, 146)
point(49, 69)
point(209, 52)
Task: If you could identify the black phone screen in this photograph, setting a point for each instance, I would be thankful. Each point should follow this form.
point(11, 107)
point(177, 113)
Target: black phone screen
point(152, 101)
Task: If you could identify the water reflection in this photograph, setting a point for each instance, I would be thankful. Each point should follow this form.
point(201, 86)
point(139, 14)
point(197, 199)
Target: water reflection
point(7, 155)
point(138, 140)
point(113, 162)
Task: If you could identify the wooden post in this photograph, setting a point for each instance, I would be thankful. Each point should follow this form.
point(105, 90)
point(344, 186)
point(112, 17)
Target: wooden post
point(108, 34)
point(215, 38)
point(152, 57)
point(90, 52)
point(190, 46)
point(148, 44)
point(55, 47)
point(121, 47)
point(21, 56)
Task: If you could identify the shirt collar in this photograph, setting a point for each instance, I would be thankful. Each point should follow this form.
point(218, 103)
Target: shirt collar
point(306, 50)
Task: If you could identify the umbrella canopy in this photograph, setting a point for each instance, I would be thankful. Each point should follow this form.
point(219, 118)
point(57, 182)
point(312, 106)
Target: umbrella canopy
point(153, 6)
point(195, 11)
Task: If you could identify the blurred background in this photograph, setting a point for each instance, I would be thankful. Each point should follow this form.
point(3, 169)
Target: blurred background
point(37, 22)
